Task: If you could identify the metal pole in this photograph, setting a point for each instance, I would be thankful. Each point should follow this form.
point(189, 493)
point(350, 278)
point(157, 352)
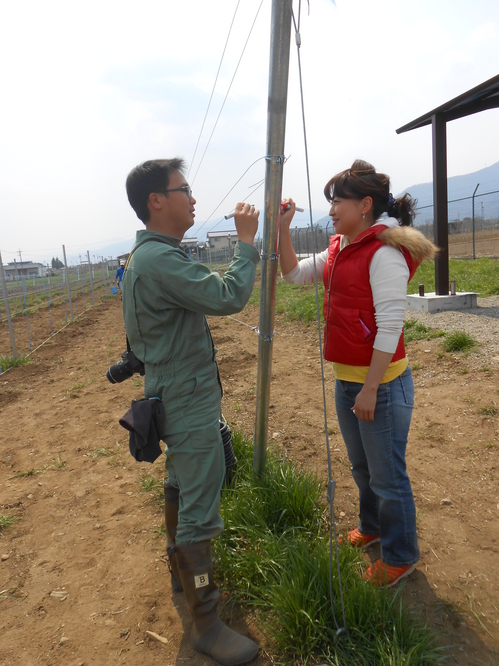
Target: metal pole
point(67, 282)
point(7, 309)
point(276, 129)
point(473, 217)
point(441, 227)
point(90, 267)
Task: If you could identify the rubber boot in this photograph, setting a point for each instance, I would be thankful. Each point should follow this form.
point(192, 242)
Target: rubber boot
point(171, 522)
point(210, 635)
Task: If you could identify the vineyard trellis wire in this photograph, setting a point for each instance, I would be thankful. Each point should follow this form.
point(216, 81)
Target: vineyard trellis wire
point(56, 298)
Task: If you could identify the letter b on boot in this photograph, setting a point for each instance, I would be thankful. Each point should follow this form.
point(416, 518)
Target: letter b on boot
point(202, 580)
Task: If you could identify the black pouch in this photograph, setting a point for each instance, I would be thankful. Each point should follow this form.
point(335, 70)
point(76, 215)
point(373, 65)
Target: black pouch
point(144, 420)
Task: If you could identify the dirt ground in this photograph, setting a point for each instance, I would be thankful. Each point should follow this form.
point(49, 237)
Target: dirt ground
point(83, 573)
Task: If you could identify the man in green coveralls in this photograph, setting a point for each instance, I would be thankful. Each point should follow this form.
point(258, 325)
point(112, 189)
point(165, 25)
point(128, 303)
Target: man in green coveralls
point(166, 297)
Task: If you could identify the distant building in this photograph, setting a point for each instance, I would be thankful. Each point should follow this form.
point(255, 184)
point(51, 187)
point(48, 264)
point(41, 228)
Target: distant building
point(222, 239)
point(190, 245)
point(26, 269)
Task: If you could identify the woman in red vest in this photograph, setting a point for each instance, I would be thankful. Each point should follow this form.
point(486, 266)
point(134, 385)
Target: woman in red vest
point(365, 271)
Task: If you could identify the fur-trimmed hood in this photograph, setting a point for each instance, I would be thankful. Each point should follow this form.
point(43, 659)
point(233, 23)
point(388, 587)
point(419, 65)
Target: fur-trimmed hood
point(418, 246)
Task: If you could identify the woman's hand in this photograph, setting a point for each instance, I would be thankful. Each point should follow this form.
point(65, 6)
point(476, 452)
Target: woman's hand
point(365, 404)
point(287, 213)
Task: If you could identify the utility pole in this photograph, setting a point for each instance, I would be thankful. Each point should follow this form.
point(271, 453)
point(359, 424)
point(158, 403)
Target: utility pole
point(276, 128)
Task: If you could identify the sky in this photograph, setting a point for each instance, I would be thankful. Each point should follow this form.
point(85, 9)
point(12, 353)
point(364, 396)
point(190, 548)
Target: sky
point(90, 89)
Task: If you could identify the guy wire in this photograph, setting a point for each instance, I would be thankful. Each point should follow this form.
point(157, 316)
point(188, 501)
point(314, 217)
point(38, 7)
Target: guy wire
point(331, 483)
point(213, 89)
point(228, 91)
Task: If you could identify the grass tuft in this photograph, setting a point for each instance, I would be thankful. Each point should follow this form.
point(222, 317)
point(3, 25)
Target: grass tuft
point(29, 472)
point(458, 341)
point(415, 331)
point(7, 362)
point(6, 521)
point(155, 487)
point(274, 558)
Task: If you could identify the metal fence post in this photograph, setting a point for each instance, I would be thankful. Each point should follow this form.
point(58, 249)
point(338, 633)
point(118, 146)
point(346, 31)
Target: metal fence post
point(90, 269)
point(473, 217)
point(7, 310)
point(67, 281)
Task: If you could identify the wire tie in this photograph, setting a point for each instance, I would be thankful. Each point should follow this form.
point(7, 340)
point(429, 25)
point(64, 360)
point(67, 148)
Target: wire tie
point(272, 256)
point(298, 39)
point(331, 487)
point(266, 338)
point(277, 159)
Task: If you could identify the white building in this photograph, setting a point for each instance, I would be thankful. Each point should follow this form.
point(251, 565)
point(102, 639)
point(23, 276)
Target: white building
point(219, 240)
point(189, 245)
point(26, 269)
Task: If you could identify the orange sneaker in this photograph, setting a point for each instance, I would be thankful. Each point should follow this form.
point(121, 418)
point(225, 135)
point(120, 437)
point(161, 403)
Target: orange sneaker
point(383, 575)
point(359, 540)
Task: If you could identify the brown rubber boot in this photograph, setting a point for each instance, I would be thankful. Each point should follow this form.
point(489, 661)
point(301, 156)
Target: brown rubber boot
point(210, 635)
point(171, 522)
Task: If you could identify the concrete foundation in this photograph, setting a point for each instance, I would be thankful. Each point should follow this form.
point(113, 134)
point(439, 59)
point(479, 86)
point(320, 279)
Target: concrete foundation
point(433, 303)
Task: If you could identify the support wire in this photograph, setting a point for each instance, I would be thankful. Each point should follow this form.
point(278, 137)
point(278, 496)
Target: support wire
point(331, 486)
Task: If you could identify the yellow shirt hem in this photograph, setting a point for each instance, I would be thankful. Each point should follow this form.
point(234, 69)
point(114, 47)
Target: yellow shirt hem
point(358, 373)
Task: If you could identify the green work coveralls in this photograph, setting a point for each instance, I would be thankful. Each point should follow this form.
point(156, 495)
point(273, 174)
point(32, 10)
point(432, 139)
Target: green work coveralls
point(166, 296)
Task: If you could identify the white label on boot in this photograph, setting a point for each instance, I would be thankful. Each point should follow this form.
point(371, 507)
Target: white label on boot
point(201, 581)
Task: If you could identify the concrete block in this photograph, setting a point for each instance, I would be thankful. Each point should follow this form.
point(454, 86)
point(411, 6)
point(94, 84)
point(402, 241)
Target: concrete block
point(464, 300)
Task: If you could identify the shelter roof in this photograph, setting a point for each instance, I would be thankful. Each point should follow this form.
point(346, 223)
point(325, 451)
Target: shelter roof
point(482, 97)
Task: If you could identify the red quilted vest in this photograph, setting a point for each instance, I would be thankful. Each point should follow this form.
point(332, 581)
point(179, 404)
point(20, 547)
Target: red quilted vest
point(348, 301)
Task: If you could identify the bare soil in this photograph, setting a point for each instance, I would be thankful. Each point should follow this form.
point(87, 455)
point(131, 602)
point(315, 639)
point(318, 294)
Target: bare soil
point(86, 529)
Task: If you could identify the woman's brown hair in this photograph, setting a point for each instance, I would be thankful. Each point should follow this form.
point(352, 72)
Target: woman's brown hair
point(360, 181)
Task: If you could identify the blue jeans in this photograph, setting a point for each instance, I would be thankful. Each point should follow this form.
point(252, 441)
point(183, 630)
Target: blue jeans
point(376, 450)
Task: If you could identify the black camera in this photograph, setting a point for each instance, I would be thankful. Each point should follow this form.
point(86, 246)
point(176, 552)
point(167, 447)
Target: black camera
point(126, 368)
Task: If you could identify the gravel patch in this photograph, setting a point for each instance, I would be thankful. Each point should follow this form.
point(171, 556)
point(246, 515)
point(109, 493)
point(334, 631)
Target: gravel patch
point(482, 323)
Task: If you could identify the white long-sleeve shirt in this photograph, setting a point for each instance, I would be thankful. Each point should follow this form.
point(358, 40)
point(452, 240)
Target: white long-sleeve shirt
point(388, 276)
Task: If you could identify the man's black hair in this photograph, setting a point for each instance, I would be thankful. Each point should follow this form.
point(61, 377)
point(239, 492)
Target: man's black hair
point(150, 176)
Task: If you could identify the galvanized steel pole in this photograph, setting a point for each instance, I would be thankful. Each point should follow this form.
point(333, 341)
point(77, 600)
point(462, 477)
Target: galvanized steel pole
point(7, 310)
point(68, 284)
point(276, 128)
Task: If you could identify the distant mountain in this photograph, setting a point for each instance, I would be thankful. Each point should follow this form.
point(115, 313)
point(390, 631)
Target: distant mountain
point(460, 187)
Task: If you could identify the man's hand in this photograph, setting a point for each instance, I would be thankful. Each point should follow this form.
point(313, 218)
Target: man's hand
point(246, 220)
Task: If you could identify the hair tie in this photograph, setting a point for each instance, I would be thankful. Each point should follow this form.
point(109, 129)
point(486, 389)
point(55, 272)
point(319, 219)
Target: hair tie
point(392, 206)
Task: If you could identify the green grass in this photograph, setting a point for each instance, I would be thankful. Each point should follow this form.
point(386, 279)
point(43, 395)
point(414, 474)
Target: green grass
point(458, 341)
point(7, 362)
point(295, 301)
point(489, 410)
point(103, 451)
point(481, 276)
point(58, 462)
point(415, 331)
point(6, 521)
point(273, 558)
point(155, 487)
point(29, 472)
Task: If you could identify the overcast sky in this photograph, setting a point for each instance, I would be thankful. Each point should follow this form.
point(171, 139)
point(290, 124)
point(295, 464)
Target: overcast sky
point(90, 89)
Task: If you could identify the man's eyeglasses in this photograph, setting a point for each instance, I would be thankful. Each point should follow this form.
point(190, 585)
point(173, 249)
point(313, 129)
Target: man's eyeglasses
point(184, 188)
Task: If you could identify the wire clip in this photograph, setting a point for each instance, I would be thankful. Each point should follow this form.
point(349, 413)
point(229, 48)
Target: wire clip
point(277, 159)
point(331, 487)
point(266, 338)
point(273, 256)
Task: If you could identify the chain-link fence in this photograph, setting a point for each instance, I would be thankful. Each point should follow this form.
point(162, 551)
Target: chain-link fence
point(473, 225)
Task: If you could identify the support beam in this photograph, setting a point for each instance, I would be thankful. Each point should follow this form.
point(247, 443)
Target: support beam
point(440, 215)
